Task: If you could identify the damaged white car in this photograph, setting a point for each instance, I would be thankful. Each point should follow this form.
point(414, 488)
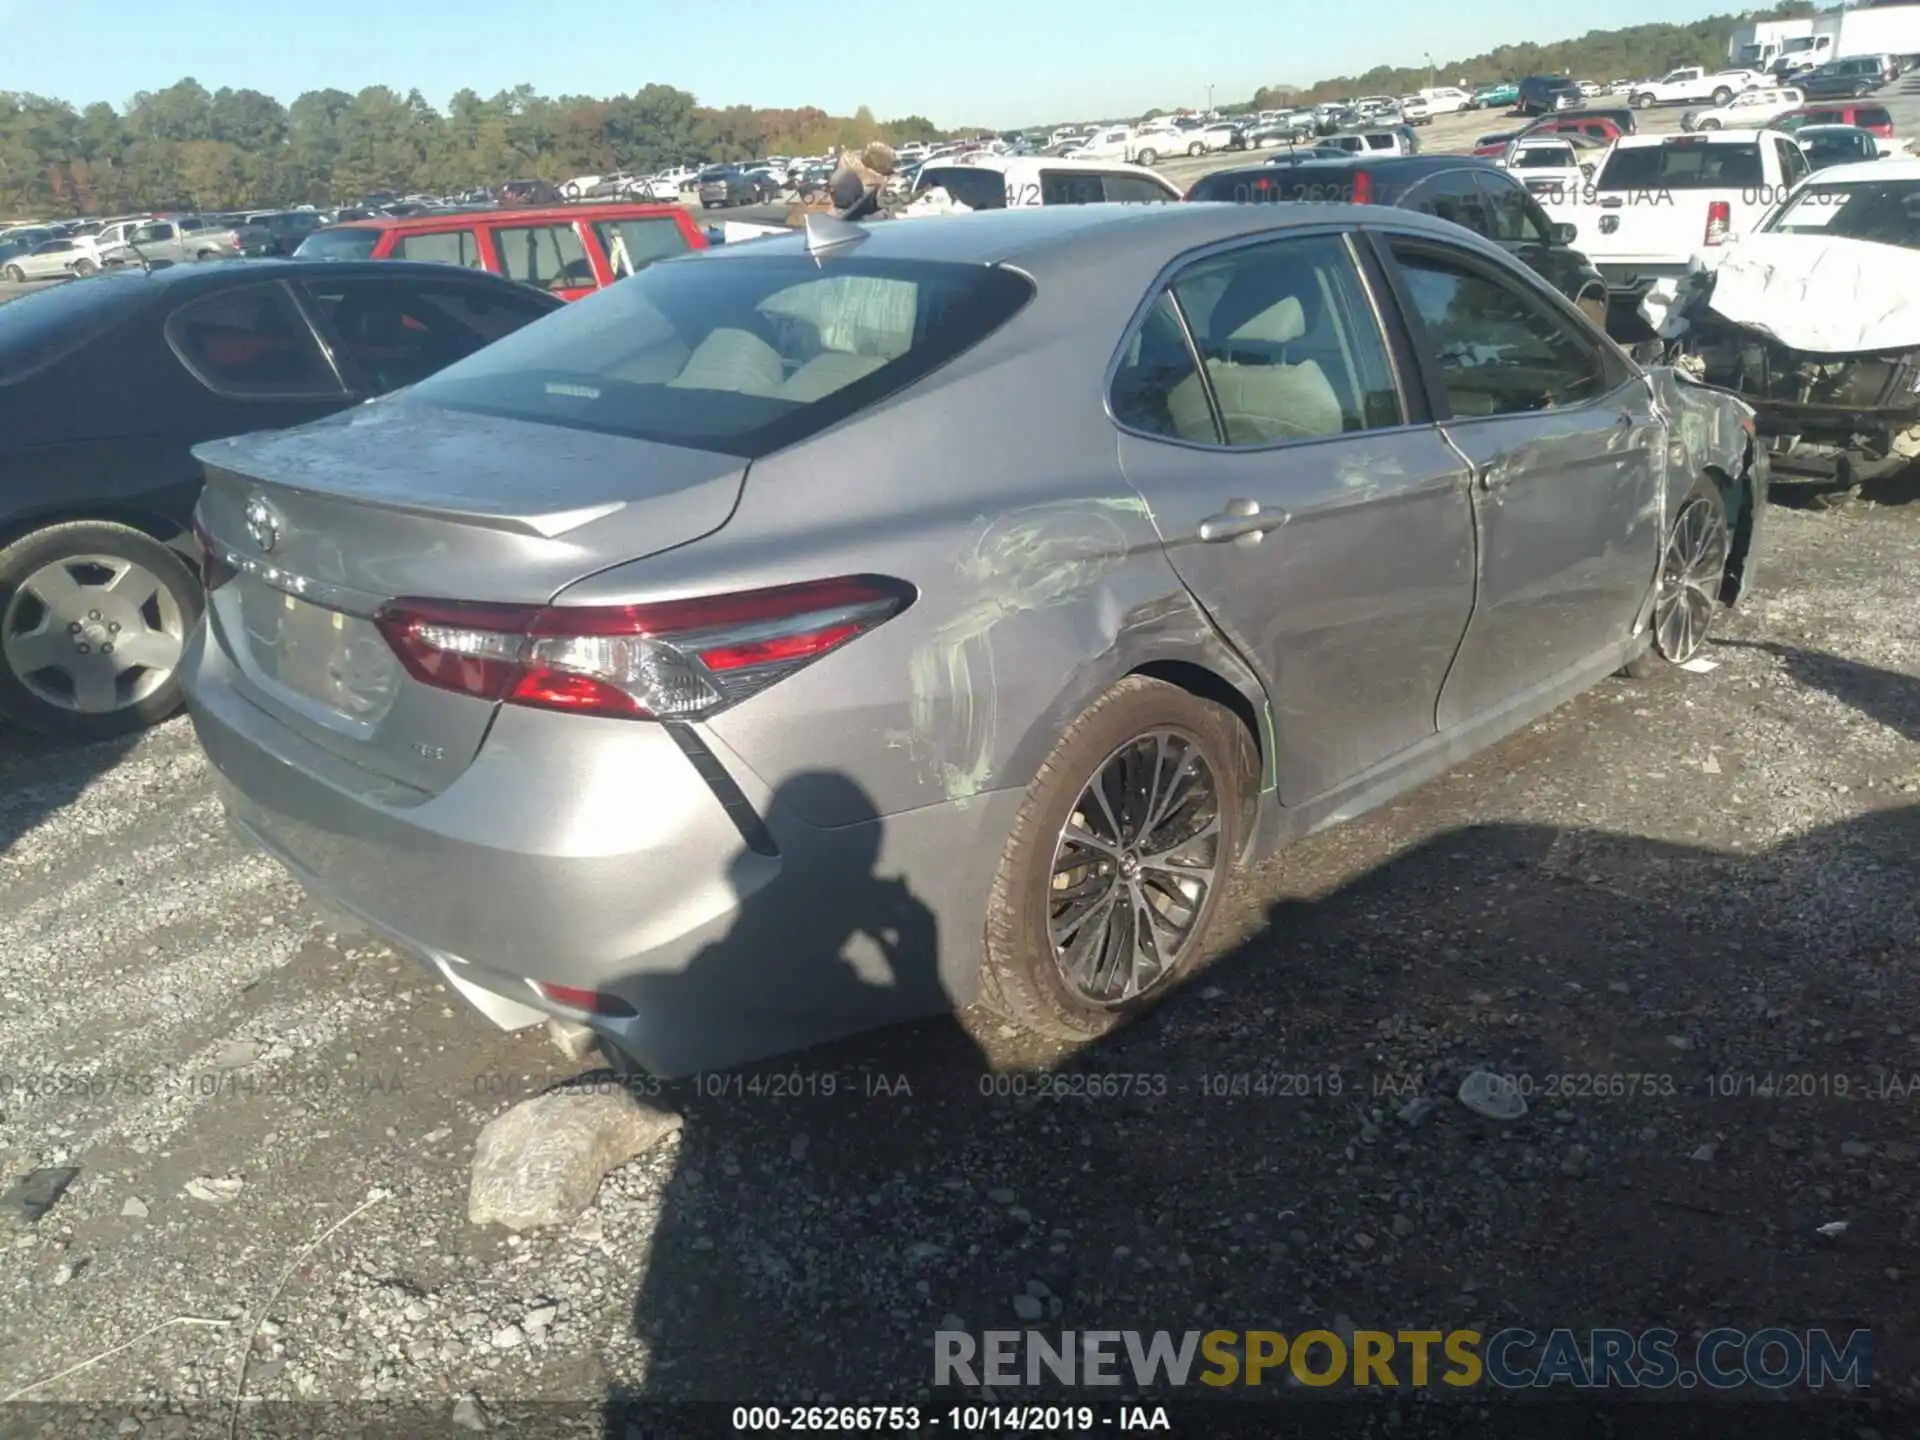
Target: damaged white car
point(1813, 319)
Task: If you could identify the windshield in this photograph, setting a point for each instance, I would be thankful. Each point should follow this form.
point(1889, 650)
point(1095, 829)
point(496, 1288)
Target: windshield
point(1886, 212)
point(350, 242)
point(40, 328)
point(1733, 165)
point(738, 355)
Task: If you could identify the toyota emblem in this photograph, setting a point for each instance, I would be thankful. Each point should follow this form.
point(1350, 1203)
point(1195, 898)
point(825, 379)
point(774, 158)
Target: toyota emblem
point(263, 523)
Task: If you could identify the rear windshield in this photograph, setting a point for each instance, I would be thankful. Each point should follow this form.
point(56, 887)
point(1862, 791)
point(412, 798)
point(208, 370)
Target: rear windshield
point(1325, 185)
point(349, 242)
point(972, 186)
point(1732, 165)
point(39, 328)
point(737, 355)
point(1886, 212)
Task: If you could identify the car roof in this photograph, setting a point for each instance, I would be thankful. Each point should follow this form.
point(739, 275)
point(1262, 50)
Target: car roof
point(1890, 168)
point(212, 276)
point(1013, 164)
point(1080, 233)
point(624, 209)
point(1741, 135)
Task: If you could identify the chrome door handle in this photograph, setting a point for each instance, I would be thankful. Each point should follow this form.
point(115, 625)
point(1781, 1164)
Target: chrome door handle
point(1242, 520)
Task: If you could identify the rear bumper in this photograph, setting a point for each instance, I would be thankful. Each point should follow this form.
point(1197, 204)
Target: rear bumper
point(592, 853)
point(1631, 278)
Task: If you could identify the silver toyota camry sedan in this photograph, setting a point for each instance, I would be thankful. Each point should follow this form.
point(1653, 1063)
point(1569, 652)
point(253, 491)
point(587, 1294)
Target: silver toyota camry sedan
point(844, 627)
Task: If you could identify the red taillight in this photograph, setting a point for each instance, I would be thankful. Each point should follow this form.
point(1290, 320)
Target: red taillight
point(214, 569)
point(1362, 188)
point(674, 660)
point(1719, 222)
point(591, 1001)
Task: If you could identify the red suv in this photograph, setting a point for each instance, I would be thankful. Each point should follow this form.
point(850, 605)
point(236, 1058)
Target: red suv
point(569, 250)
point(1876, 120)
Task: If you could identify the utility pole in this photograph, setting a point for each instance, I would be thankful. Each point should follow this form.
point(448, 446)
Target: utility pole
point(1209, 100)
point(1431, 71)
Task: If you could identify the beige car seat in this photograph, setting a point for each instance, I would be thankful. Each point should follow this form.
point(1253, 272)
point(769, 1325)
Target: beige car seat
point(1259, 402)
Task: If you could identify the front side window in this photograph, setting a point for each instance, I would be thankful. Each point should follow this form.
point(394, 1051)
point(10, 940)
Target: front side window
point(548, 257)
point(1059, 187)
point(1290, 347)
point(1132, 190)
point(743, 356)
point(632, 245)
point(446, 247)
point(1455, 197)
point(251, 341)
point(1499, 351)
point(1793, 164)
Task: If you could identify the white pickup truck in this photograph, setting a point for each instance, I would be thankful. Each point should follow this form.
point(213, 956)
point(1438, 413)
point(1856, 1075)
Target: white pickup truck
point(1657, 201)
point(1692, 83)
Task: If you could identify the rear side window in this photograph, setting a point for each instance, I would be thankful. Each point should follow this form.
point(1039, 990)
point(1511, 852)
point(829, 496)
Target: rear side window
point(394, 332)
point(1456, 198)
point(549, 257)
point(349, 242)
point(632, 245)
point(1679, 165)
point(447, 247)
point(973, 186)
point(251, 341)
point(742, 356)
point(1157, 365)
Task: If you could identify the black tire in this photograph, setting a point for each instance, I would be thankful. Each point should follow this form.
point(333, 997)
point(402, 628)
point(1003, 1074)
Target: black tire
point(1662, 655)
point(1196, 149)
point(1146, 157)
point(40, 548)
point(16, 274)
point(1020, 979)
point(1709, 124)
point(1640, 101)
point(1721, 96)
point(86, 266)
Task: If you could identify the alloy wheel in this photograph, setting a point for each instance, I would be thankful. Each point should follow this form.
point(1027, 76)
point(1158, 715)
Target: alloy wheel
point(1691, 574)
point(92, 633)
point(1134, 867)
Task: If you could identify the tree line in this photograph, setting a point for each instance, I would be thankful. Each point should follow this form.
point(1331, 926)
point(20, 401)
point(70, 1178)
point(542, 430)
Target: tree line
point(228, 149)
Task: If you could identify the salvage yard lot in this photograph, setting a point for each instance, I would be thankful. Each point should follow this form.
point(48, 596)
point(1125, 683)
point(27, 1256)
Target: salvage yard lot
point(1638, 904)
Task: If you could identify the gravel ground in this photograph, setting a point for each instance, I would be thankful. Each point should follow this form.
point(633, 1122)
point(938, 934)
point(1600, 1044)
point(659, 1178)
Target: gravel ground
point(1697, 876)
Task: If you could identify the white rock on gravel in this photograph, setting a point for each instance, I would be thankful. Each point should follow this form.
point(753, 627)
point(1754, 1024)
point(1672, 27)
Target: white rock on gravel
point(541, 1163)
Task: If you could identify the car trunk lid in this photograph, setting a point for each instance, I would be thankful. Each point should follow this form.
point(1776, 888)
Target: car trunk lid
point(317, 528)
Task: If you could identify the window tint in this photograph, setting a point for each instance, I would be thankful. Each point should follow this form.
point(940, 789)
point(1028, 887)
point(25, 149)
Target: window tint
point(1512, 215)
point(1686, 164)
point(973, 186)
point(1793, 165)
point(448, 247)
point(632, 245)
point(1872, 115)
point(1500, 352)
point(743, 357)
point(548, 256)
point(1156, 364)
point(1455, 196)
point(1059, 187)
point(351, 242)
point(1290, 345)
point(1133, 190)
point(251, 341)
point(396, 332)
point(158, 231)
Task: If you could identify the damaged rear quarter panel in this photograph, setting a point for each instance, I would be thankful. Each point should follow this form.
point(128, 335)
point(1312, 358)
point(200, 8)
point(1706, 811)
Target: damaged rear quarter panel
point(1710, 432)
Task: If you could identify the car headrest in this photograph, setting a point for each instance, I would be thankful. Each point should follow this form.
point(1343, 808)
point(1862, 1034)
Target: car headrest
point(1283, 321)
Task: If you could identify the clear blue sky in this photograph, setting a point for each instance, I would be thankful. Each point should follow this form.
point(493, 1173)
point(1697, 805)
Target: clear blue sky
point(994, 62)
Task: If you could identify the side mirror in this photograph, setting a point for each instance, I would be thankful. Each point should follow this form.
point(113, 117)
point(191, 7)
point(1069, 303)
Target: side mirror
point(1564, 232)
